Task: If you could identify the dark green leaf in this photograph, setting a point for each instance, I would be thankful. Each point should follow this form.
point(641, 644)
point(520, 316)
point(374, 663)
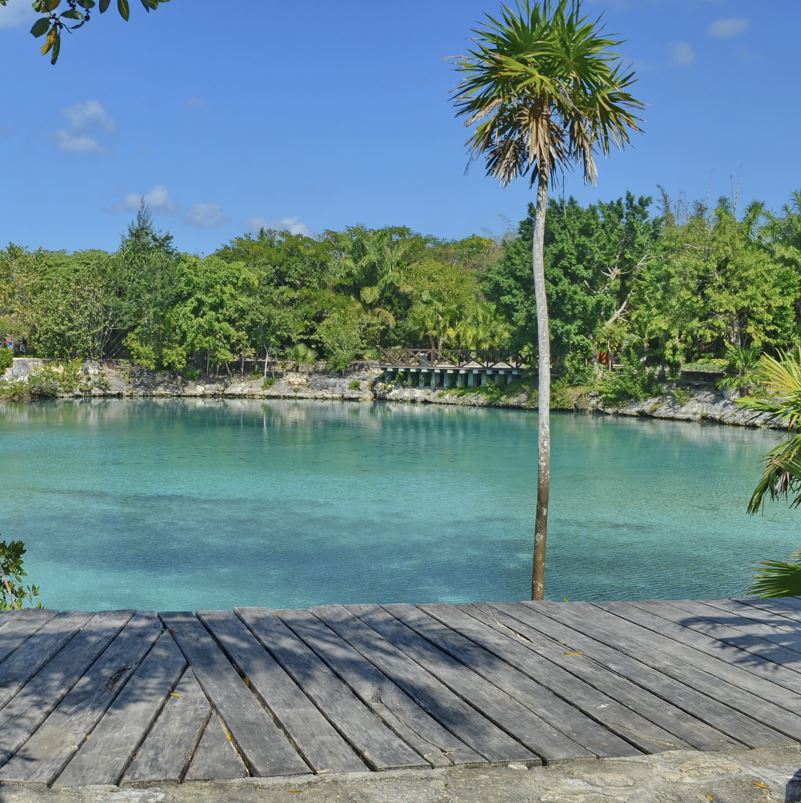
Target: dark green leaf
point(72, 14)
point(124, 9)
point(56, 49)
point(104, 5)
point(41, 26)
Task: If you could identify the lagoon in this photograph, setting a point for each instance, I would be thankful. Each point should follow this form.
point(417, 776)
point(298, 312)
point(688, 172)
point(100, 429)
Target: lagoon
point(186, 504)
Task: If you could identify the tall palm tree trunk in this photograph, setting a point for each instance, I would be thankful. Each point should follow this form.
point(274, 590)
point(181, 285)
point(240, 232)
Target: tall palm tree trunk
point(544, 400)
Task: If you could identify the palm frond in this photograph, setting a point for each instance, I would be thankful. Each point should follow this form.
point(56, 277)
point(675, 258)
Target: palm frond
point(778, 579)
point(545, 88)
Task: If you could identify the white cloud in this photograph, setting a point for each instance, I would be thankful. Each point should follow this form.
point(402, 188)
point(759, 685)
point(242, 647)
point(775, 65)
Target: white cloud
point(158, 199)
point(727, 27)
point(682, 54)
point(17, 14)
point(70, 142)
point(88, 115)
point(205, 216)
point(83, 121)
point(294, 225)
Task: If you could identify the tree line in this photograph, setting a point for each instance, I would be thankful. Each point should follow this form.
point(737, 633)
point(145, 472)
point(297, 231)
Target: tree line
point(653, 285)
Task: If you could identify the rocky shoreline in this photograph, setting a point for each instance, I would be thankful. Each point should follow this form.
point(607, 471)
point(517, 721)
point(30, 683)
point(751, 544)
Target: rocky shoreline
point(362, 383)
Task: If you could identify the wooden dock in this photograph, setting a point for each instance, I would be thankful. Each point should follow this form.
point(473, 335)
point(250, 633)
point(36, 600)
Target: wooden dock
point(135, 698)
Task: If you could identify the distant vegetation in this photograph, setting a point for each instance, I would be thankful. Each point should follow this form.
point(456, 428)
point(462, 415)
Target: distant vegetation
point(654, 288)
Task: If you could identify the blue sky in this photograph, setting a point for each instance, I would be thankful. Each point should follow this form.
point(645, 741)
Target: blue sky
point(317, 114)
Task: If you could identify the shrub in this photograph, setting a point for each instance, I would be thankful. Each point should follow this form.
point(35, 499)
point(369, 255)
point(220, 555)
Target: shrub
point(15, 391)
point(681, 395)
point(6, 360)
point(355, 385)
point(633, 381)
point(13, 593)
point(742, 369)
point(52, 381)
point(268, 382)
point(565, 396)
point(301, 353)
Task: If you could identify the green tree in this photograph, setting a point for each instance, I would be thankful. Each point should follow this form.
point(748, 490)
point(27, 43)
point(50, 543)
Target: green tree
point(716, 282)
point(593, 255)
point(544, 88)
point(70, 15)
point(64, 304)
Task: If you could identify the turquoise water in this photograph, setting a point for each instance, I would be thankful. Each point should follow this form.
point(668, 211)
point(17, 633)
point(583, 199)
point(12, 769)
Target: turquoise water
point(182, 504)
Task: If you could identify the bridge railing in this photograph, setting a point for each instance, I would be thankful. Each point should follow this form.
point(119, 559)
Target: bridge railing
point(458, 358)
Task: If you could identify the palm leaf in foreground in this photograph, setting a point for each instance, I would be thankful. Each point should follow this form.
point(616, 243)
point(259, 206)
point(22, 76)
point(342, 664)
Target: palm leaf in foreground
point(781, 475)
point(778, 579)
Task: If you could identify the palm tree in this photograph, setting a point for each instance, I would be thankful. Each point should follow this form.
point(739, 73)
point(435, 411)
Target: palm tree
point(543, 89)
point(780, 401)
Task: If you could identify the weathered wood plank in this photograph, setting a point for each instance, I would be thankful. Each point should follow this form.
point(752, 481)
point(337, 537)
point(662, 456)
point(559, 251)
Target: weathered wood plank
point(264, 747)
point(756, 621)
point(547, 665)
point(43, 692)
point(740, 630)
point(737, 689)
point(216, 758)
point(109, 748)
point(170, 744)
point(505, 711)
point(581, 730)
point(419, 730)
point(715, 714)
point(549, 640)
point(311, 733)
point(680, 677)
point(733, 638)
point(29, 658)
point(44, 755)
point(380, 747)
point(19, 627)
point(777, 608)
point(434, 697)
point(730, 655)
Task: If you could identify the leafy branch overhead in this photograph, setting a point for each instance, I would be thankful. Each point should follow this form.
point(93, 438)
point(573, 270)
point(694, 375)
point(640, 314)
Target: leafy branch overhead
point(69, 15)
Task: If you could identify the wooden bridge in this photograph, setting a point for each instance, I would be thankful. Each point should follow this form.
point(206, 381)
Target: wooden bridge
point(135, 698)
point(451, 368)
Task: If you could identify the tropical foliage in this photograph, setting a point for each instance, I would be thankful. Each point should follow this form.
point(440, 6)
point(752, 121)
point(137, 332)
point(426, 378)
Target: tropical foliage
point(343, 296)
point(14, 594)
point(780, 401)
point(615, 275)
